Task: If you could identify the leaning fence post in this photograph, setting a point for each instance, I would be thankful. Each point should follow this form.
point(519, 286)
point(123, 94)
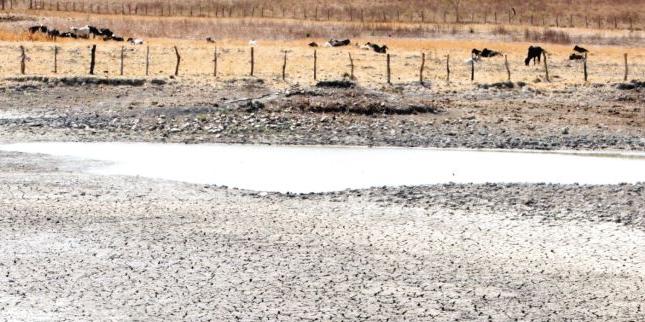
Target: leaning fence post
point(92, 59)
point(147, 59)
point(252, 60)
point(508, 70)
point(626, 68)
point(448, 69)
point(351, 66)
point(23, 57)
point(389, 70)
point(284, 66)
point(55, 59)
point(315, 64)
point(178, 61)
point(584, 67)
point(546, 68)
point(122, 53)
point(423, 64)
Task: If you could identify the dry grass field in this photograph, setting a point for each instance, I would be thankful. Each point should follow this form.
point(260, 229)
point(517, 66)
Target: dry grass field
point(605, 64)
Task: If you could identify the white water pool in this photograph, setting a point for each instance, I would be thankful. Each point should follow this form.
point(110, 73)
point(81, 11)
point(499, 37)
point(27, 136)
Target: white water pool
point(318, 169)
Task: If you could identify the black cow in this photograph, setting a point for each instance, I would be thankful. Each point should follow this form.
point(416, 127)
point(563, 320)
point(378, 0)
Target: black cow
point(379, 49)
point(535, 53)
point(35, 29)
point(210, 40)
point(53, 33)
point(313, 44)
point(339, 43)
point(94, 31)
point(114, 38)
point(580, 49)
point(476, 52)
point(106, 32)
point(576, 57)
point(487, 53)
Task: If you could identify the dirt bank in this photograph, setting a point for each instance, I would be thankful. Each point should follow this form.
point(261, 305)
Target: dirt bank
point(595, 116)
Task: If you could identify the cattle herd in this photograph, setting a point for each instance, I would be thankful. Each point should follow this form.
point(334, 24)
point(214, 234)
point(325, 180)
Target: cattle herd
point(534, 54)
point(82, 33)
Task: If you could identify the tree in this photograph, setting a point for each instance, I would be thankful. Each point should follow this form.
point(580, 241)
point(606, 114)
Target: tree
point(455, 5)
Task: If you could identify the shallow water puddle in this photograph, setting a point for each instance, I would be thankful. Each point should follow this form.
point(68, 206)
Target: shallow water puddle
point(318, 169)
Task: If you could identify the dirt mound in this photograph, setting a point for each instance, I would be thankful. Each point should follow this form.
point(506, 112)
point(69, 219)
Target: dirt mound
point(502, 85)
point(634, 84)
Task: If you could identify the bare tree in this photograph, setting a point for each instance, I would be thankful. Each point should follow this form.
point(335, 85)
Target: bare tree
point(455, 5)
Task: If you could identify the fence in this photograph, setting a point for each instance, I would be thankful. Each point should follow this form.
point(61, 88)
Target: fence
point(435, 14)
point(305, 65)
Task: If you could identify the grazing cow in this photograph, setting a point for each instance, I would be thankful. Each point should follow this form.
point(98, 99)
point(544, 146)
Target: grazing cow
point(93, 31)
point(535, 53)
point(35, 29)
point(53, 33)
point(210, 40)
point(135, 41)
point(580, 49)
point(339, 43)
point(379, 49)
point(114, 38)
point(476, 52)
point(313, 44)
point(576, 57)
point(105, 32)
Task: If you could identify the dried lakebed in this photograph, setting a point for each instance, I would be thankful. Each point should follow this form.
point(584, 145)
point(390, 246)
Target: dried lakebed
point(79, 246)
point(304, 169)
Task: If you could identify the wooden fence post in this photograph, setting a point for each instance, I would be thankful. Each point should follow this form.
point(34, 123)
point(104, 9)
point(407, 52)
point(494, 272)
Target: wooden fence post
point(448, 69)
point(423, 64)
point(147, 59)
point(626, 68)
point(546, 68)
point(178, 61)
point(315, 65)
point(92, 59)
point(252, 60)
point(508, 70)
point(55, 60)
point(351, 66)
point(472, 68)
point(584, 67)
point(284, 67)
point(215, 62)
point(122, 54)
point(23, 57)
point(389, 70)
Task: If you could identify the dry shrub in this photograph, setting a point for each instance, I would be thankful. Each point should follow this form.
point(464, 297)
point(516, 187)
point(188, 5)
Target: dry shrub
point(547, 35)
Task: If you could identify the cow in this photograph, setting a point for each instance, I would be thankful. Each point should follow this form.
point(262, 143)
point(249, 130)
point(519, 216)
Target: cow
point(379, 49)
point(35, 29)
point(576, 57)
point(94, 31)
point(475, 52)
point(105, 32)
point(339, 43)
point(535, 53)
point(487, 53)
point(313, 44)
point(114, 38)
point(53, 33)
point(210, 40)
point(579, 49)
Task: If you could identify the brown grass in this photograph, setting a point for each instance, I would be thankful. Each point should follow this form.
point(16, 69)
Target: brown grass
point(605, 62)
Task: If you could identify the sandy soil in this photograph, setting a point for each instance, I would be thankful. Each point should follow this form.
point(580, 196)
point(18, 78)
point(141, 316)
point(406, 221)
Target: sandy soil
point(76, 246)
